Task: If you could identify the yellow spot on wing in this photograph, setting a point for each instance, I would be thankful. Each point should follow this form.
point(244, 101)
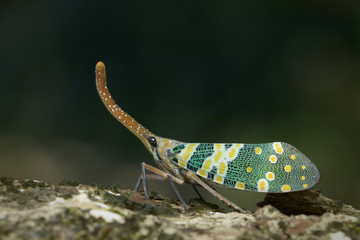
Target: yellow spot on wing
point(240, 185)
point(287, 168)
point(273, 159)
point(182, 163)
point(218, 155)
point(219, 179)
point(278, 148)
point(202, 173)
point(303, 167)
point(293, 157)
point(222, 168)
point(218, 146)
point(285, 188)
point(258, 150)
point(232, 153)
point(270, 176)
point(305, 185)
point(249, 169)
point(206, 165)
point(186, 153)
point(263, 185)
point(302, 177)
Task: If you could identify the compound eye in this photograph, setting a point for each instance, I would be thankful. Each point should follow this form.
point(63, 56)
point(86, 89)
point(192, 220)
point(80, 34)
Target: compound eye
point(152, 141)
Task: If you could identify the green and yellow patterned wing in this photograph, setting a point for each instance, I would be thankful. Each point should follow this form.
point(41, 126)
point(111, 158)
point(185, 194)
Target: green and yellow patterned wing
point(268, 167)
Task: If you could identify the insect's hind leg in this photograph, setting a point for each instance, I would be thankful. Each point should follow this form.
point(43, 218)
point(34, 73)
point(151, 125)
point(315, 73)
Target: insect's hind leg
point(191, 175)
point(197, 191)
point(162, 175)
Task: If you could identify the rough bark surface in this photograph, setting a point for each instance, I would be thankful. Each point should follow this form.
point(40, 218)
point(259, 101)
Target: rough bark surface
point(31, 209)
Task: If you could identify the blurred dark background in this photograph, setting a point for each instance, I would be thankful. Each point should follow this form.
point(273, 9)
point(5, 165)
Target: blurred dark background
point(196, 71)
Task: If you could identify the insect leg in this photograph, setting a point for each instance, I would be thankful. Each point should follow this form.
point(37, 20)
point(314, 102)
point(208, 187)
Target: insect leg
point(191, 175)
point(148, 177)
point(138, 184)
point(142, 176)
point(177, 192)
point(197, 192)
point(144, 180)
point(161, 173)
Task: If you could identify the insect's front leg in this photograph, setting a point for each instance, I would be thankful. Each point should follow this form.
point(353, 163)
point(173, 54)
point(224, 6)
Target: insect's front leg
point(148, 177)
point(172, 179)
point(193, 178)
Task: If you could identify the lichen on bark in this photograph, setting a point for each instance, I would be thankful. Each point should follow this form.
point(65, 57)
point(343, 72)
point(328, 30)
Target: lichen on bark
point(30, 209)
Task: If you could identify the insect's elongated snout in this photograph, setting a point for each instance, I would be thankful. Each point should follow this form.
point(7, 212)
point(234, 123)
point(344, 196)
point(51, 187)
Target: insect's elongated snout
point(130, 123)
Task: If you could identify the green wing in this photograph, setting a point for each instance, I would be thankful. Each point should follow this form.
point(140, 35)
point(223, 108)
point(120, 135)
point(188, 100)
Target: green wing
point(268, 167)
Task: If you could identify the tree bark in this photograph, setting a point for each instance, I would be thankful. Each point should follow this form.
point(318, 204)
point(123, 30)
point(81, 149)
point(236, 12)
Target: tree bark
point(31, 209)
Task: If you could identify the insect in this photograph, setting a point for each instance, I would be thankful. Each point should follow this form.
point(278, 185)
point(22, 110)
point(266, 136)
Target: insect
point(269, 167)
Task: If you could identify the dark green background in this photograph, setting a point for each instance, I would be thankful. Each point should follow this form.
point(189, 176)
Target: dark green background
point(196, 71)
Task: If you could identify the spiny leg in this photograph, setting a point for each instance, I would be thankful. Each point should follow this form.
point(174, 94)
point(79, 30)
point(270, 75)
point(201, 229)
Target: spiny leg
point(191, 175)
point(163, 174)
